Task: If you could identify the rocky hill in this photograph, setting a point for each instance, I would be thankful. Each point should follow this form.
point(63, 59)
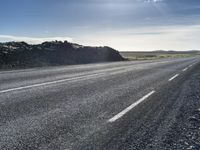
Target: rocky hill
point(23, 55)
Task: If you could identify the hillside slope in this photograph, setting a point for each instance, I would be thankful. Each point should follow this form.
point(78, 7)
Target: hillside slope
point(23, 55)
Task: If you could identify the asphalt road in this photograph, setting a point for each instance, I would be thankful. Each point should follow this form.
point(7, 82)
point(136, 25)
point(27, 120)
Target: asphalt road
point(111, 106)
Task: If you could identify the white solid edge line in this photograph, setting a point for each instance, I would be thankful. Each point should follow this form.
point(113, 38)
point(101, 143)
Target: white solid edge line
point(185, 69)
point(122, 113)
point(47, 83)
point(172, 78)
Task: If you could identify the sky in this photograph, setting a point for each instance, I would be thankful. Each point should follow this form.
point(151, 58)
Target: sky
point(126, 25)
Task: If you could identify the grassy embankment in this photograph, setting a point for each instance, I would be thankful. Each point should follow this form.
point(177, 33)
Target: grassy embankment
point(158, 55)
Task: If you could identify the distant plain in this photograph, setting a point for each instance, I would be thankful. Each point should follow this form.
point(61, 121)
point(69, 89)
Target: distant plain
point(139, 55)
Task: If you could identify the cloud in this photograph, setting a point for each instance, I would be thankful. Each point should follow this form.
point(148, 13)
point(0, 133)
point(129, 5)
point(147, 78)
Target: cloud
point(154, 1)
point(32, 40)
point(174, 37)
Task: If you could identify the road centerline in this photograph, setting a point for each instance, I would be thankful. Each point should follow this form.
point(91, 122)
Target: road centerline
point(185, 69)
point(190, 65)
point(122, 113)
point(172, 78)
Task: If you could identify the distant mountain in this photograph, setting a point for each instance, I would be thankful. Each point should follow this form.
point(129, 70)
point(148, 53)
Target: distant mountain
point(176, 52)
point(23, 55)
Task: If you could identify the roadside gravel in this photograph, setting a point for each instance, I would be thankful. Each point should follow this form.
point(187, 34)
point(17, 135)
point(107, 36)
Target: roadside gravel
point(185, 131)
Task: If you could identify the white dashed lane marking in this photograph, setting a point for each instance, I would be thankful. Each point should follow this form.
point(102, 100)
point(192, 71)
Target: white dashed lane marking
point(122, 113)
point(172, 78)
point(185, 69)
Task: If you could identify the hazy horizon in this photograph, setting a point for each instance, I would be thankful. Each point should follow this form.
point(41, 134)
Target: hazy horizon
point(131, 25)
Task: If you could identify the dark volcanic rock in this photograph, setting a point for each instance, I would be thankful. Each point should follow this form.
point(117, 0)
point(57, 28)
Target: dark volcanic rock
point(23, 55)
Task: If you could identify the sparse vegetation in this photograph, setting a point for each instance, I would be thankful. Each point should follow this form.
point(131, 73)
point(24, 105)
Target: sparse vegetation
point(158, 54)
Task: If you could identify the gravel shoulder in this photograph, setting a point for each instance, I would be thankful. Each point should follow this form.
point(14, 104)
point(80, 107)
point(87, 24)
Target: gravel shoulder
point(184, 132)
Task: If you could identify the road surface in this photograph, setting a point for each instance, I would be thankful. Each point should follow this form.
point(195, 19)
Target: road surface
point(111, 106)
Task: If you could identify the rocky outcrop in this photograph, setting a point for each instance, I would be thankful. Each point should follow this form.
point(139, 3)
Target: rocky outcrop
point(23, 55)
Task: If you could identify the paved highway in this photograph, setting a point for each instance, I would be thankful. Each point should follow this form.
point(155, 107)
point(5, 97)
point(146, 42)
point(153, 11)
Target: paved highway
point(121, 105)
